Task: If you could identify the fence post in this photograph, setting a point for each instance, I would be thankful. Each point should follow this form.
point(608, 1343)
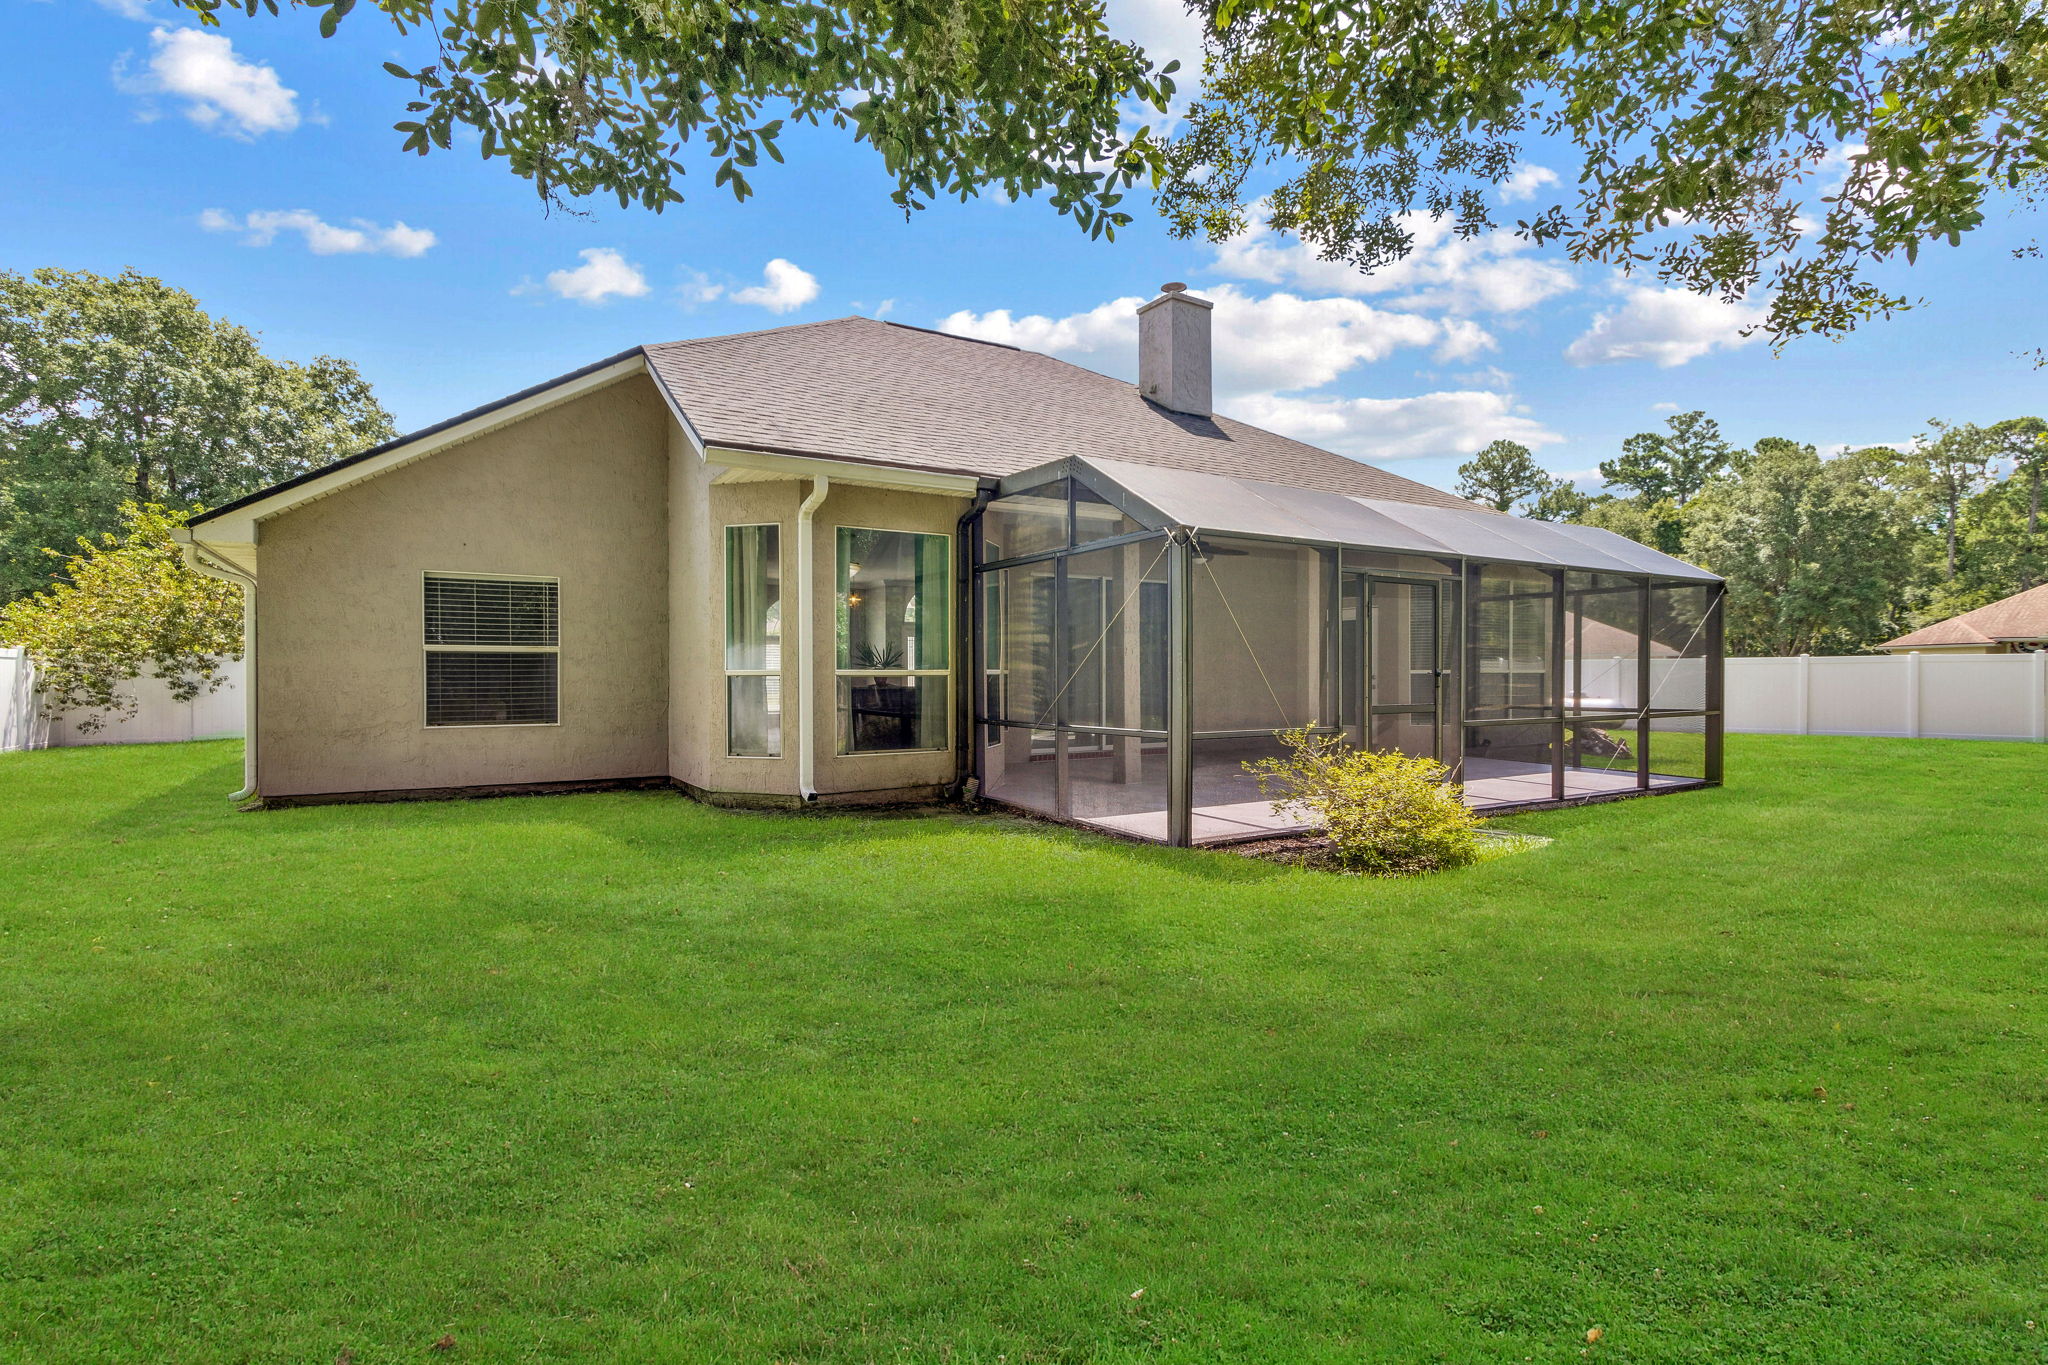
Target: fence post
point(1913, 695)
point(1805, 694)
point(2040, 658)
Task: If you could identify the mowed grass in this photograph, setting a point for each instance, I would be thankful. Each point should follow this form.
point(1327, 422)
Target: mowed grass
point(1751, 1074)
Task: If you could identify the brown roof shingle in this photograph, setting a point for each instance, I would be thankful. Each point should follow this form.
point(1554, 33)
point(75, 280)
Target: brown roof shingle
point(2023, 616)
point(859, 389)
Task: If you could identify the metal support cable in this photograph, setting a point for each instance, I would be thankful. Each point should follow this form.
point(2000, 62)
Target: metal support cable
point(1278, 706)
point(1136, 587)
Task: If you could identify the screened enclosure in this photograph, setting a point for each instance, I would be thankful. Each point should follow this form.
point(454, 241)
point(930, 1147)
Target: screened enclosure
point(1141, 634)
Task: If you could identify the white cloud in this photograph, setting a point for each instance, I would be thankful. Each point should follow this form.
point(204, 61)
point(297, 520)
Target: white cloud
point(362, 237)
point(1667, 326)
point(1525, 182)
point(1495, 272)
point(604, 274)
point(1274, 344)
point(1267, 350)
point(785, 287)
point(128, 9)
point(1167, 31)
point(1663, 407)
point(1463, 339)
point(1444, 424)
point(221, 91)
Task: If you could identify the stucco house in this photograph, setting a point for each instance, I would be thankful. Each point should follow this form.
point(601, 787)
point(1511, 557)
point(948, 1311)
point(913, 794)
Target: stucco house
point(855, 561)
point(2012, 625)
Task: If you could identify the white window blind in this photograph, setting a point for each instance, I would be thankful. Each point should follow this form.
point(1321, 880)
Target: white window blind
point(493, 650)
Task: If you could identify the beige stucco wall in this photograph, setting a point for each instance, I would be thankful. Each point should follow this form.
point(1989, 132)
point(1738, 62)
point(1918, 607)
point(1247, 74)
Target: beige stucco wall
point(577, 492)
point(607, 494)
point(1258, 632)
point(700, 512)
point(882, 510)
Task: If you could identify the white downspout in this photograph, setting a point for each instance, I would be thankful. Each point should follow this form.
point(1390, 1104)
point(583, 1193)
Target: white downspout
point(806, 645)
point(215, 567)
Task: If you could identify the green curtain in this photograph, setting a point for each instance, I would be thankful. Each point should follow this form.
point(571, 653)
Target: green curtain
point(934, 602)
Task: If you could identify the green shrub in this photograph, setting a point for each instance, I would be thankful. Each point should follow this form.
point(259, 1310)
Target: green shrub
point(1386, 814)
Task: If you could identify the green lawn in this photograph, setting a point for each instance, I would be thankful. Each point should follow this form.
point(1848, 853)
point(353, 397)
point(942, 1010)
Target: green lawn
point(1738, 1075)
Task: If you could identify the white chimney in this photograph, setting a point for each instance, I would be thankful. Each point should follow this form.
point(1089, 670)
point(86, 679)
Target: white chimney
point(1173, 350)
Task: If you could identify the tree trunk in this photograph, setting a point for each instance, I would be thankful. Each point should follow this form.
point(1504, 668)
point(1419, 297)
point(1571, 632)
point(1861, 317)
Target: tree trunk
point(2033, 522)
point(1950, 537)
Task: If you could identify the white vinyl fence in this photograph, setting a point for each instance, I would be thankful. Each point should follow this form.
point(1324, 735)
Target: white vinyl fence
point(158, 716)
point(1907, 696)
point(1932, 696)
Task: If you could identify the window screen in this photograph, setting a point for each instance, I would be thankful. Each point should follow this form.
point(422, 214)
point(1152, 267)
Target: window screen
point(493, 654)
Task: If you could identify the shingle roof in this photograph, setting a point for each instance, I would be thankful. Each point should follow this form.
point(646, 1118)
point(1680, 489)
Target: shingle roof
point(859, 389)
point(2023, 616)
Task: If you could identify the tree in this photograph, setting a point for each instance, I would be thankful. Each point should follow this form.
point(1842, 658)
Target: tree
point(1560, 500)
point(1997, 554)
point(121, 388)
point(130, 606)
point(1655, 522)
point(1817, 553)
point(1673, 466)
point(1501, 475)
point(1709, 138)
point(1951, 466)
point(1739, 460)
point(602, 96)
point(2024, 442)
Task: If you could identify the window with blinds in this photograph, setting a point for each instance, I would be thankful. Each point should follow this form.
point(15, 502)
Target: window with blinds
point(493, 650)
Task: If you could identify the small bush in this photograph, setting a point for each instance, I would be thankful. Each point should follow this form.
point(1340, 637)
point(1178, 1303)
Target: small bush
point(1386, 814)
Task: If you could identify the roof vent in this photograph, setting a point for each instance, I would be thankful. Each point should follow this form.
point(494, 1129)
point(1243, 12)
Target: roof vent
point(1173, 350)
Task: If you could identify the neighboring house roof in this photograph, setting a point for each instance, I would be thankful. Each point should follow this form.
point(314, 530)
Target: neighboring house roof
point(881, 392)
point(2021, 618)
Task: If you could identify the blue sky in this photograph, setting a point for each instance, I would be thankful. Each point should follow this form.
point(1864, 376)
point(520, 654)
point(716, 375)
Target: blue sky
point(254, 165)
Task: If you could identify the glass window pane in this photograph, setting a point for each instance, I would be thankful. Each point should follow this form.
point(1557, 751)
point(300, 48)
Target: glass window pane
point(753, 710)
point(880, 713)
point(465, 688)
point(1095, 519)
point(753, 597)
point(1025, 523)
point(491, 611)
point(894, 599)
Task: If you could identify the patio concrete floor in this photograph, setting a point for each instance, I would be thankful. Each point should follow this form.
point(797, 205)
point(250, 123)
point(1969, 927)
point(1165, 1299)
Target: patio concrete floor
point(1228, 806)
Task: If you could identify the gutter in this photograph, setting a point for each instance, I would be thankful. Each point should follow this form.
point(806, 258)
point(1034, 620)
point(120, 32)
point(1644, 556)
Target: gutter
point(202, 561)
point(968, 629)
point(807, 644)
